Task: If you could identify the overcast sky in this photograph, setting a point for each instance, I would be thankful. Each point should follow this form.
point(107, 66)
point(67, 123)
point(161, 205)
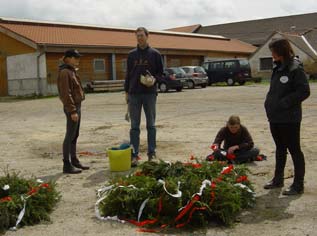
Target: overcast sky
point(154, 14)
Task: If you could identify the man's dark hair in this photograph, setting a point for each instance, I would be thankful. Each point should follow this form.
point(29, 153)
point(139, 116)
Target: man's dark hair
point(283, 48)
point(139, 29)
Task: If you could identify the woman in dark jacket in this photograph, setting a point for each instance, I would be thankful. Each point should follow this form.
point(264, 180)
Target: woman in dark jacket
point(288, 89)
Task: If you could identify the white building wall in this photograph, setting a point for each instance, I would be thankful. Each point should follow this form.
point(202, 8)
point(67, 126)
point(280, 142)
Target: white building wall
point(22, 73)
point(264, 52)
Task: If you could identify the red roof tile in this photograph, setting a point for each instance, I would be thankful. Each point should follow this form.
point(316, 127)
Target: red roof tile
point(62, 34)
point(186, 29)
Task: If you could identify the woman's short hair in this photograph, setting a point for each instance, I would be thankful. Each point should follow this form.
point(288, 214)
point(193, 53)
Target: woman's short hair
point(283, 48)
point(234, 120)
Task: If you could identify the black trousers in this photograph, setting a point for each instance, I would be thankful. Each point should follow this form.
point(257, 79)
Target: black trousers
point(287, 137)
point(71, 136)
point(242, 156)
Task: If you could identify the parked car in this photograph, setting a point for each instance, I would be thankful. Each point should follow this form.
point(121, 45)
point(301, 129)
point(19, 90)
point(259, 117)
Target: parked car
point(179, 74)
point(312, 76)
point(169, 81)
point(196, 76)
point(228, 70)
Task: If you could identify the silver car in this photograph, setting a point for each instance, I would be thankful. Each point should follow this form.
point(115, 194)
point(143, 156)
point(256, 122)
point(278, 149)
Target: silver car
point(196, 76)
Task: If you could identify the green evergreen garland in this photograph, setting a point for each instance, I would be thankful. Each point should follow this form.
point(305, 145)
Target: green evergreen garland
point(42, 198)
point(228, 194)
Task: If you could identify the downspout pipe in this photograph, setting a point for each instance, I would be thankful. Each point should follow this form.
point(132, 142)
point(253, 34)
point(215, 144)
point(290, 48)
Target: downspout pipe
point(39, 87)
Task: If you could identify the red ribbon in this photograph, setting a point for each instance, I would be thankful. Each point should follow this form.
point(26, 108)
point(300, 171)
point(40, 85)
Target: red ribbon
point(231, 156)
point(219, 179)
point(188, 206)
point(214, 147)
point(160, 206)
point(138, 173)
point(212, 198)
point(191, 215)
point(259, 158)
point(197, 165)
point(142, 223)
point(33, 190)
point(6, 199)
point(147, 230)
point(227, 170)
point(148, 222)
point(242, 178)
point(211, 157)
point(44, 185)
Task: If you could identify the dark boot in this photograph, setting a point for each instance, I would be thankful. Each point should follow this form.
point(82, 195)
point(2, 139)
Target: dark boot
point(274, 183)
point(151, 156)
point(69, 169)
point(76, 163)
point(293, 190)
point(134, 161)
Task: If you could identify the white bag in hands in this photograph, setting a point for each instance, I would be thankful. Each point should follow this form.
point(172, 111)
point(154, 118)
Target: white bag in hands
point(148, 80)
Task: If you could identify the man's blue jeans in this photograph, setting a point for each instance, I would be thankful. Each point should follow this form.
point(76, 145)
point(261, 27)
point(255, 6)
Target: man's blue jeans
point(148, 102)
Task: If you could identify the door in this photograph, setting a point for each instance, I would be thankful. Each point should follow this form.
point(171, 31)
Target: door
point(3, 77)
point(230, 68)
point(217, 71)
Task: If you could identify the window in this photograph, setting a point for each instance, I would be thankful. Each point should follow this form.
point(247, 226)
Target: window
point(99, 65)
point(216, 66)
point(205, 66)
point(266, 63)
point(230, 64)
point(199, 69)
point(178, 70)
point(124, 65)
point(186, 69)
point(244, 64)
point(169, 71)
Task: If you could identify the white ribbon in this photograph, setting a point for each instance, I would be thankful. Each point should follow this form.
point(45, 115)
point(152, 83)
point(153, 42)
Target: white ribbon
point(142, 207)
point(102, 193)
point(245, 187)
point(177, 195)
point(168, 162)
point(6, 187)
point(201, 189)
point(203, 186)
point(21, 214)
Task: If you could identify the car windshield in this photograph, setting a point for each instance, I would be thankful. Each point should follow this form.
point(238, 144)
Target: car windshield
point(244, 64)
point(178, 70)
point(186, 69)
point(199, 69)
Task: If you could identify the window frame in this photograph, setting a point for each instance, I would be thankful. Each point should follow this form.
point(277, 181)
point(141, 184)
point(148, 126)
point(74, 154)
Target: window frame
point(104, 65)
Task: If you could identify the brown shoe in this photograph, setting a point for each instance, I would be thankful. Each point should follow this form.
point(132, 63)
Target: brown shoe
point(273, 184)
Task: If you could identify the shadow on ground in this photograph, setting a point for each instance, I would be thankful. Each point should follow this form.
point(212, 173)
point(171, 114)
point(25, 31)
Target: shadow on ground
point(269, 206)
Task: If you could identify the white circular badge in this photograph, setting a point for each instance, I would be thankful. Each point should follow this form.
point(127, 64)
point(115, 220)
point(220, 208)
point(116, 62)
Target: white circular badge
point(284, 79)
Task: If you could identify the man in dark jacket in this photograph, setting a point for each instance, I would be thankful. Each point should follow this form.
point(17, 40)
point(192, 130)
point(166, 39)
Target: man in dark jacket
point(144, 63)
point(71, 94)
point(288, 89)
